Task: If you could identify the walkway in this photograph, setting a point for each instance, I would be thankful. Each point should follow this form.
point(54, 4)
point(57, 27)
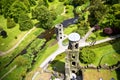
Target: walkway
point(82, 43)
point(62, 48)
point(16, 45)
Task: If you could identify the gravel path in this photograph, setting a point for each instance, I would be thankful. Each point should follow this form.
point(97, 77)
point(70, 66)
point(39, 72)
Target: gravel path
point(16, 45)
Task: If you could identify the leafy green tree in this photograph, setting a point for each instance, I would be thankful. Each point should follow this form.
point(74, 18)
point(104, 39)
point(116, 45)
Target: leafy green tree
point(44, 16)
point(87, 55)
point(21, 61)
point(3, 34)
point(97, 11)
point(25, 22)
point(32, 2)
point(10, 23)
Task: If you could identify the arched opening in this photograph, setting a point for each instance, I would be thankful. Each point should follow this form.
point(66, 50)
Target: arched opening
point(76, 46)
point(73, 63)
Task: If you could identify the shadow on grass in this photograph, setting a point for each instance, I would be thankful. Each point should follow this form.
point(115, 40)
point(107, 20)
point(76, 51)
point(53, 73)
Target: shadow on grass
point(118, 73)
point(102, 34)
point(58, 66)
point(116, 46)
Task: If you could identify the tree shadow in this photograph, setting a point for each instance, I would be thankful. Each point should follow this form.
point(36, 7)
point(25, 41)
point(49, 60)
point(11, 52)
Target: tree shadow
point(102, 34)
point(58, 66)
point(118, 73)
point(116, 46)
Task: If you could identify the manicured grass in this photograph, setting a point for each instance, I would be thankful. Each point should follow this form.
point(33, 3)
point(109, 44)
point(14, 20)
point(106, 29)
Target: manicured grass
point(70, 29)
point(107, 50)
point(95, 75)
point(111, 58)
point(10, 41)
point(65, 42)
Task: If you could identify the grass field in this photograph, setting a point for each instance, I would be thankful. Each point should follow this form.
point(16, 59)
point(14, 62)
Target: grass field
point(108, 52)
point(10, 41)
point(95, 75)
point(70, 29)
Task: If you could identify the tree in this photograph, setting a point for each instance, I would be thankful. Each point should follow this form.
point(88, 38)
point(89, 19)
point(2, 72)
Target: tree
point(87, 55)
point(10, 23)
point(25, 22)
point(44, 16)
point(4, 33)
point(108, 31)
point(50, 0)
point(97, 11)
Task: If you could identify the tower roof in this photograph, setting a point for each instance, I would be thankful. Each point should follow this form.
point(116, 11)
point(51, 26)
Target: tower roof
point(74, 37)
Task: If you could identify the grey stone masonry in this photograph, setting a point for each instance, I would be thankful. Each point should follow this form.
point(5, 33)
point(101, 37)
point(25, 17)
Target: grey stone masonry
point(59, 31)
point(72, 57)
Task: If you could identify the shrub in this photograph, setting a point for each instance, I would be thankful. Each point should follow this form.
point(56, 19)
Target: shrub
point(10, 23)
point(61, 0)
point(97, 27)
point(50, 0)
point(4, 33)
point(108, 31)
point(87, 55)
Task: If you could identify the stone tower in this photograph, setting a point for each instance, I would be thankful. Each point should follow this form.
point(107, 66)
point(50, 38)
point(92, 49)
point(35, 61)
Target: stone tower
point(72, 57)
point(59, 31)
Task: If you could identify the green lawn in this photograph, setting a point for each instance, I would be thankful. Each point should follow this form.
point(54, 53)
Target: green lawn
point(10, 41)
point(109, 51)
point(70, 29)
point(95, 75)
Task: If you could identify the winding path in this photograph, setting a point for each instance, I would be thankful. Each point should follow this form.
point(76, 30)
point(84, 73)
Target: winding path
point(16, 45)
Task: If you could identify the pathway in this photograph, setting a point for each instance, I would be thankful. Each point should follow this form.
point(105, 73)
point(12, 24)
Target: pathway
point(8, 72)
point(16, 45)
point(82, 43)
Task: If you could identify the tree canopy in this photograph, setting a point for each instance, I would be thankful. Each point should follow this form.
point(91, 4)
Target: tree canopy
point(25, 22)
point(87, 55)
point(44, 16)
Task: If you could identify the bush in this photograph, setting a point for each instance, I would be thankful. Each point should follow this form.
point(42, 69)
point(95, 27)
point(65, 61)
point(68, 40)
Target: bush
point(50, 0)
point(3, 33)
point(87, 55)
point(10, 23)
point(108, 31)
point(61, 0)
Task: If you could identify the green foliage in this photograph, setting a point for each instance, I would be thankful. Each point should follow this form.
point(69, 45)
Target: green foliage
point(87, 55)
point(25, 22)
point(97, 11)
point(50, 0)
point(44, 16)
point(36, 45)
point(83, 27)
point(61, 0)
point(10, 23)
point(21, 61)
point(32, 2)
